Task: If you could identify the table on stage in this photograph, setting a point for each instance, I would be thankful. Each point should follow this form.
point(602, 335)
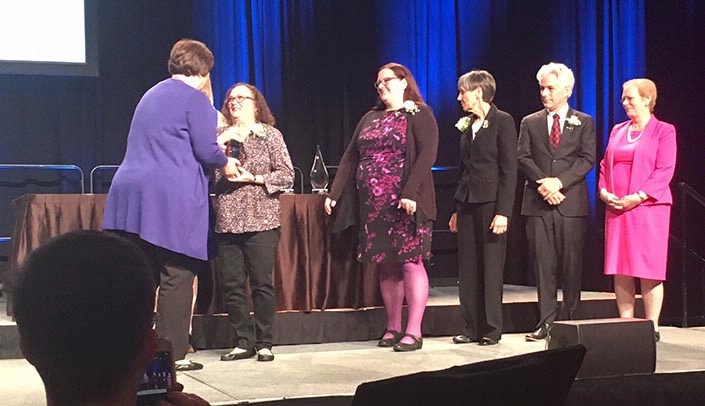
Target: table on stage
point(313, 269)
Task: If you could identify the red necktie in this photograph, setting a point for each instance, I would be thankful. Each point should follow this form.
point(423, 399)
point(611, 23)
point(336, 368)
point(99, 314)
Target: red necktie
point(555, 136)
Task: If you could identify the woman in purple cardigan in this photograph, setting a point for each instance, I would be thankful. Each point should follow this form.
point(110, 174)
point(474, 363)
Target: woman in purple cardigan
point(384, 183)
point(634, 184)
point(159, 195)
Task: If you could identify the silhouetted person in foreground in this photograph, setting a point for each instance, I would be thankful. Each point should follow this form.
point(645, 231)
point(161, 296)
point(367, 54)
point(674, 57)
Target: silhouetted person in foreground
point(84, 310)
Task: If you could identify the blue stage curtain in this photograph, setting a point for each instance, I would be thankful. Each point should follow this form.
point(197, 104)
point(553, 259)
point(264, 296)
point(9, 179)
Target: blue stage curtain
point(437, 41)
point(602, 41)
point(326, 50)
point(605, 47)
point(313, 60)
point(247, 37)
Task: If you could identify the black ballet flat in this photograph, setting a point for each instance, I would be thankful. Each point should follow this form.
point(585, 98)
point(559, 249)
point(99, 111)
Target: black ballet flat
point(191, 366)
point(488, 341)
point(463, 339)
point(389, 342)
point(404, 347)
point(238, 355)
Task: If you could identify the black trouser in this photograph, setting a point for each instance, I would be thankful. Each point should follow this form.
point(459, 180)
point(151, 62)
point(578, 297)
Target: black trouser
point(174, 275)
point(481, 256)
point(556, 250)
point(243, 256)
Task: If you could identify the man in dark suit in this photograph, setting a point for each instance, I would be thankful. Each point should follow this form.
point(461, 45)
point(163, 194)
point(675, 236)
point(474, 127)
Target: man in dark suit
point(556, 150)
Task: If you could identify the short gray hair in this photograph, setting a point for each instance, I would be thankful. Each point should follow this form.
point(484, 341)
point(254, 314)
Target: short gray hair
point(479, 78)
point(563, 74)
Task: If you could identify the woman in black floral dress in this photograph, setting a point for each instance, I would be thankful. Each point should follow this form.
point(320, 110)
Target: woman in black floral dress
point(386, 173)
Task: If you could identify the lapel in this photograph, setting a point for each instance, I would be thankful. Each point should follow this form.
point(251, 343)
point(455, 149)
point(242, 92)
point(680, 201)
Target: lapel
point(567, 131)
point(648, 146)
point(541, 130)
point(488, 122)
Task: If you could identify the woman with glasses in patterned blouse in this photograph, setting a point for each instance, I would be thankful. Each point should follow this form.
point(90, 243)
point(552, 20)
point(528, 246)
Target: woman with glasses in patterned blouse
point(247, 217)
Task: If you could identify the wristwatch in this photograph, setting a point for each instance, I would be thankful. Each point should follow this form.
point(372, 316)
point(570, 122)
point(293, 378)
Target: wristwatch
point(643, 196)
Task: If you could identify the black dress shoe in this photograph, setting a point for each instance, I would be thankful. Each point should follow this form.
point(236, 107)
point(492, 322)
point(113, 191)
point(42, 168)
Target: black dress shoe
point(389, 342)
point(404, 347)
point(539, 334)
point(488, 341)
point(463, 339)
point(238, 355)
point(191, 366)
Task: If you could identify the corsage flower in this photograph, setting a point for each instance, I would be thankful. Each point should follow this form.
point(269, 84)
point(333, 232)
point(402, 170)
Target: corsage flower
point(573, 121)
point(258, 130)
point(411, 107)
point(463, 124)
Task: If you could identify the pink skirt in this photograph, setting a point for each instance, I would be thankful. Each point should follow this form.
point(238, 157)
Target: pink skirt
point(636, 242)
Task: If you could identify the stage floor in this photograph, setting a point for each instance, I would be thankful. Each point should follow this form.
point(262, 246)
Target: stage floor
point(306, 370)
point(338, 368)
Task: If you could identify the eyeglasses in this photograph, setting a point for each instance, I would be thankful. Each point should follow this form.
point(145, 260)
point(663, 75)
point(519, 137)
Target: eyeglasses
point(239, 99)
point(384, 81)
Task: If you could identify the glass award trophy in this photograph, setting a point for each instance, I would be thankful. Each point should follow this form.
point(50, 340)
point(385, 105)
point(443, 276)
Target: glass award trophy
point(319, 174)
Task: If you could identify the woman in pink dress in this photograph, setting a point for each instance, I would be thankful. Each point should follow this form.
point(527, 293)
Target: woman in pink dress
point(634, 184)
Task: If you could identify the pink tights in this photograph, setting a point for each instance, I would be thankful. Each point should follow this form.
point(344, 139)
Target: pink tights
point(398, 281)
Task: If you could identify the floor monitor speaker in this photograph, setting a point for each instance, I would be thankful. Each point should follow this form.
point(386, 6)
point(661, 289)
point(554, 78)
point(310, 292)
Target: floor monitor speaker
point(614, 346)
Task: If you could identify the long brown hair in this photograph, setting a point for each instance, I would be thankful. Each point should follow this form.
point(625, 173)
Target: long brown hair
point(262, 112)
point(411, 92)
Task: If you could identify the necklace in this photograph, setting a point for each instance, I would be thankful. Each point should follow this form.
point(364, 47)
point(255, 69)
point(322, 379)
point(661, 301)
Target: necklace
point(631, 139)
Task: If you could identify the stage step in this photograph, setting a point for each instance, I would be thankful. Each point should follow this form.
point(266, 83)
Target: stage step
point(443, 317)
point(340, 325)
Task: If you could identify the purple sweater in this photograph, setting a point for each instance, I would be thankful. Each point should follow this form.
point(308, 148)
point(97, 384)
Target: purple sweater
point(160, 191)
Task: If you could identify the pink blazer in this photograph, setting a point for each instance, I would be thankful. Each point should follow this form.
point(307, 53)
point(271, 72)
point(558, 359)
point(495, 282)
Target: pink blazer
point(654, 161)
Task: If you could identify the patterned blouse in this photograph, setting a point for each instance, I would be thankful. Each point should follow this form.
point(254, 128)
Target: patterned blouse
point(248, 207)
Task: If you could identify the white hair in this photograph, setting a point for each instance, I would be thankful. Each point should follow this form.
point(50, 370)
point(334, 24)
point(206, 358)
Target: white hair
point(563, 74)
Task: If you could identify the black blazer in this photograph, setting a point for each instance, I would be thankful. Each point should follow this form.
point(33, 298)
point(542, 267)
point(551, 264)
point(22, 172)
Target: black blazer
point(488, 164)
point(574, 158)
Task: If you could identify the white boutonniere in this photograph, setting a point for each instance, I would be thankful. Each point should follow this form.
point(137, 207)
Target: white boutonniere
point(485, 124)
point(411, 107)
point(573, 121)
point(463, 124)
point(258, 130)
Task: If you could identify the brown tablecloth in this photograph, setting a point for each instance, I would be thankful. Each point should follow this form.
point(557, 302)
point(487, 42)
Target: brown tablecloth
point(313, 269)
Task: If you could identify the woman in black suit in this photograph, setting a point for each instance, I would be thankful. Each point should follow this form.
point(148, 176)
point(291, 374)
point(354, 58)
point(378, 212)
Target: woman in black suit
point(484, 200)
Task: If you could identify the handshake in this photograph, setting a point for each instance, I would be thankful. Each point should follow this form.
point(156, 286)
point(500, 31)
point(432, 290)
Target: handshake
point(235, 172)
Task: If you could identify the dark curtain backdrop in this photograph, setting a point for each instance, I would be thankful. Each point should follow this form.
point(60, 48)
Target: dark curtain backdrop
point(315, 61)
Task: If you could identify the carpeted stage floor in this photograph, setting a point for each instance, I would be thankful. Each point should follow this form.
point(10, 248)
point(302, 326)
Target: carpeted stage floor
point(319, 371)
